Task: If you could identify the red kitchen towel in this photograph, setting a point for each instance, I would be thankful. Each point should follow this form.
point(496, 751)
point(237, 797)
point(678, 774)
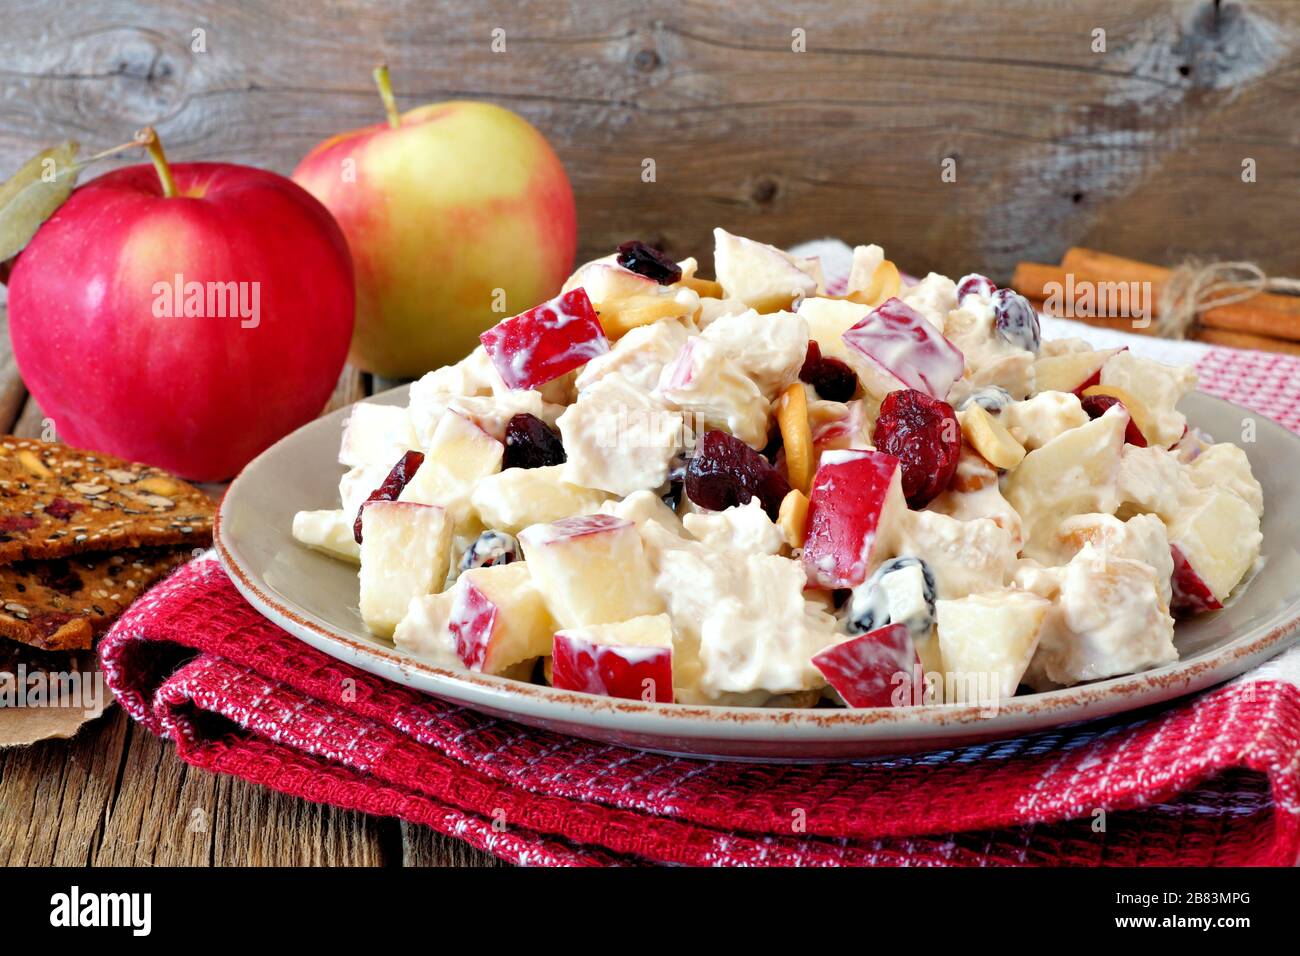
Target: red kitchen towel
point(1213, 780)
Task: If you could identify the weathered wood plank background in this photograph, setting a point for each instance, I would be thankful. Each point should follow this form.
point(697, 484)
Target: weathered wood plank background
point(1138, 149)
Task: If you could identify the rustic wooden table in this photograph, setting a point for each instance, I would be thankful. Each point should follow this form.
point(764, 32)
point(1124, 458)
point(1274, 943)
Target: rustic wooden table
point(958, 135)
point(117, 795)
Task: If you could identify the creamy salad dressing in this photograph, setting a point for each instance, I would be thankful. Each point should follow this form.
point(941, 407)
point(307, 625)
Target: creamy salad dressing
point(1063, 564)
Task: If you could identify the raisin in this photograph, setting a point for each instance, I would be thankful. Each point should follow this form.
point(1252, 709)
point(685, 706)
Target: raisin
point(646, 260)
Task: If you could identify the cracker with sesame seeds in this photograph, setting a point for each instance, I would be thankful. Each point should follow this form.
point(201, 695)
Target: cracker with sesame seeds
point(56, 501)
point(63, 604)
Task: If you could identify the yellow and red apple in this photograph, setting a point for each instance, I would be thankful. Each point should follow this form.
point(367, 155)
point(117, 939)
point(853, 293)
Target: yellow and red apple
point(186, 316)
point(457, 214)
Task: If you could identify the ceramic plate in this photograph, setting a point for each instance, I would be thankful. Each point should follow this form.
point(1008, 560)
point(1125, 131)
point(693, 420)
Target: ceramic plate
point(315, 599)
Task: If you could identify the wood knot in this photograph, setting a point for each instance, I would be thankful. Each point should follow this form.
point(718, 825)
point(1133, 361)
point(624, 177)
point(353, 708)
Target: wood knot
point(128, 77)
point(764, 191)
point(646, 60)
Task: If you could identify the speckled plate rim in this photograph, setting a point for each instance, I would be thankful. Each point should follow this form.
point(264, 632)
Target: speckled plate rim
point(761, 734)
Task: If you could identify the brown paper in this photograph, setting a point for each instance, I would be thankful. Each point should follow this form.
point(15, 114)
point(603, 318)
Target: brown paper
point(40, 701)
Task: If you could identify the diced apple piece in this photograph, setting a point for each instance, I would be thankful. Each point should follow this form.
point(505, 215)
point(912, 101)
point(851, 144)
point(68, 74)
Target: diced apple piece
point(405, 554)
point(460, 455)
point(1074, 473)
point(632, 659)
point(592, 570)
point(1070, 371)
point(895, 347)
point(837, 425)
point(763, 277)
point(376, 435)
point(1140, 420)
point(498, 618)
point(828, 320)
point(875, 669)
point(327, 531)
point(857, 497)
point(865, 267)
point(513, 499)
point(547, 341)
point(1217, 535)
point(987, 641)
point(1190, 594)
point(1226, 466)
point(1158, 388)
point(604, 280)
point(990, 438)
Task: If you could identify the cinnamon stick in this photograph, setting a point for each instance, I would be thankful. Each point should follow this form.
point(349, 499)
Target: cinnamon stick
point(1266, 314)
point(1236, 340)
point(1031, 280)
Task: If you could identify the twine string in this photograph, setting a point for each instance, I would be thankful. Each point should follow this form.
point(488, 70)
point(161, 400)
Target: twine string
point(1194, 287)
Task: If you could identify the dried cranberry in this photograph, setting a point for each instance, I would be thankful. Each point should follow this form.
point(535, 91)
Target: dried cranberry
point(62, 508)
point(1016, 320)
point(725, 472)
point(924, 435)
point(401, 473)
point(974, 284)
point(530, 443)
point(636, 256)
point(1097, 405)
point(833, 379)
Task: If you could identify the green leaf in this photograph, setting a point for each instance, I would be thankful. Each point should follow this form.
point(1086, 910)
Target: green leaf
point(33, 194)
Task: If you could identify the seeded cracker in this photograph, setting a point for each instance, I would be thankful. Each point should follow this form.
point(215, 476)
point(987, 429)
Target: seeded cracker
point(56, 501)
point(62, 604)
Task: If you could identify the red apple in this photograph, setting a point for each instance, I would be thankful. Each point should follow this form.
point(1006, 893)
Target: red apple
point(856, 496)
point(443, 206)
point(866, 669)
point(543, 343)
point(632, 660)
point(897, 347)
point(184, 316)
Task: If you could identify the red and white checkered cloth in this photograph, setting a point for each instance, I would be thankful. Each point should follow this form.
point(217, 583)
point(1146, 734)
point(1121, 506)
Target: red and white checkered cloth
point(1212, 780)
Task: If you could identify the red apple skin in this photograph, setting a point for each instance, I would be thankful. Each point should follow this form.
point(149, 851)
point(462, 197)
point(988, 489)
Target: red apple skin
point(537, 346)
point(197, 396)
point(1191, 595)
point(461, 199)
point(865, 669)
point(845, 505)
point(610, 670)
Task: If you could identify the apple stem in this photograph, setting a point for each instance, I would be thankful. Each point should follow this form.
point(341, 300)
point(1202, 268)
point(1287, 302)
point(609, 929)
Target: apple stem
point(386, 94)
point(148, 138)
